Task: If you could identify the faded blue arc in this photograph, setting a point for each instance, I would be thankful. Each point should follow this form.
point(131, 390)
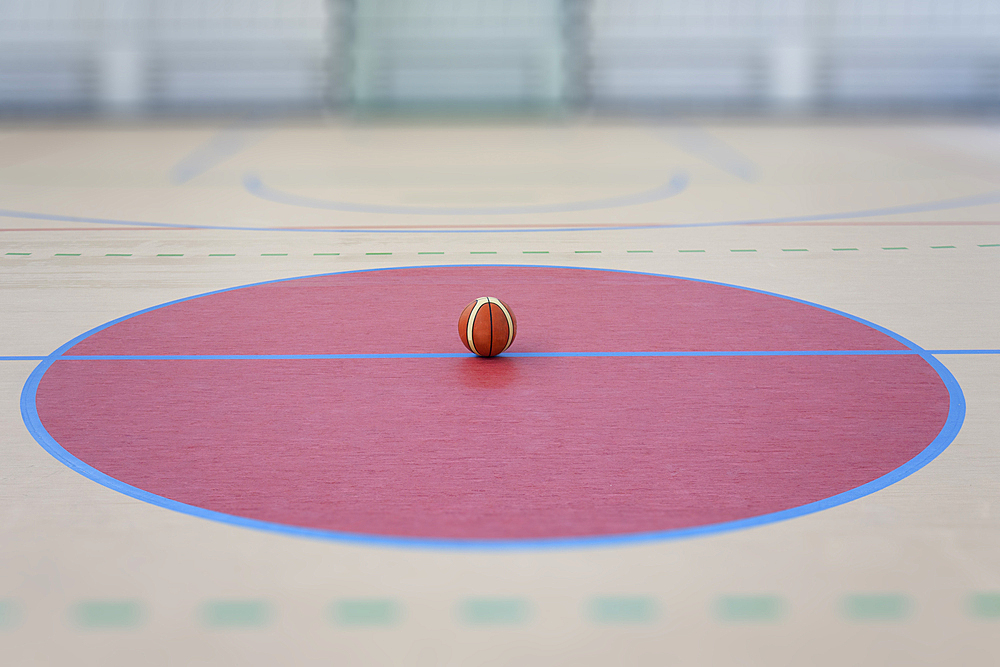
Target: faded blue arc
point(677, 184)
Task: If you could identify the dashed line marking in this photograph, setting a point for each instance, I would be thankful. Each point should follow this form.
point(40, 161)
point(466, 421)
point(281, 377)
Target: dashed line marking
point(365, 612)
point(938, 247)
point(749, 608)
point(898, 247)
point(795, 250)
point(274, 254)
point(118, 254)
point(494, 611)
point(988, 245)
point(482, 252)
point(378, 253)
point(222, 254)
point(236, 613)
point(586, 252)
point(693, 251)
point(743, 250)
point(536, 252)
point(67, 254)
point(435, 252)
point(106, 614)
point(985, 605)
point(881, 607)
point(10, 614)
point(325, 254)
point(621, 610)
point(641, 251)
point(169, 254)
point(19, 253)
point(841, 249)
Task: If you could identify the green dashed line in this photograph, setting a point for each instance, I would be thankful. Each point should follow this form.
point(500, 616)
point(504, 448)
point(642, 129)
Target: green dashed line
point(274, 254)
point(100, 614)
point(118, 254)
point(693, 251)
point(494, 611)
point(981, 245)
point(436, 252)
point(236, 613)
point(325, 254)
point(900, 247)
point(19, 253)
point(169, 254)
point(938, 247)
point(749, 608)
point(378, 253)
point(536, 252)
point(482, 252)
point(10, 614)
point(985, 605)
point(744, 250)
point(222, 254)
point(365, 612)
point(587, 252)
point(840, 249)
point(795, 250)
point(67, 254)
point(622, 610)
point(876, 607)
point(640, 251)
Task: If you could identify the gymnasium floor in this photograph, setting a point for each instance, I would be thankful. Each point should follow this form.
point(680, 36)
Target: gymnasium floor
point(313, 472)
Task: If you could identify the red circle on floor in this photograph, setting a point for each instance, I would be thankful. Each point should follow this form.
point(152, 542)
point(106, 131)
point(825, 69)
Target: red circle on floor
point(504, 448)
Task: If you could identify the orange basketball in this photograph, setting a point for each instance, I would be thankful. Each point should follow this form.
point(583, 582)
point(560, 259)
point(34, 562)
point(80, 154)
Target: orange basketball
point(487, 326)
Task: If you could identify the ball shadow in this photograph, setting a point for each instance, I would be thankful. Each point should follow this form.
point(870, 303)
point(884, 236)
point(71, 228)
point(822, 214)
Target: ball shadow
point(488, 372)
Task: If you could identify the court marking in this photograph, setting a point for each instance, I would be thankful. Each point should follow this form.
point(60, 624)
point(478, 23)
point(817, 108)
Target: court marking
point(953, 423)
point(19, 255)
point(677, 184)
point(458, 355)
point(982, 199)
point(219, 148)
point(703, 145)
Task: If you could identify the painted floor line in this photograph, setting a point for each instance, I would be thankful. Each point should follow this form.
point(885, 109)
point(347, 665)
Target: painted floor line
point(459, 355)
point(219, 148)
point(677, 184)
point(981, 199)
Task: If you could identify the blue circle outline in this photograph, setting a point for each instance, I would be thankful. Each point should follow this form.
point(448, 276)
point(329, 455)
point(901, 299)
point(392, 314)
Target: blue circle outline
point(953, 423)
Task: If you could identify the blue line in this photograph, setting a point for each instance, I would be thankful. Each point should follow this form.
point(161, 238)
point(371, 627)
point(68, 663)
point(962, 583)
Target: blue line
point(677, 184)
point(219, 148)
point(956, 415)
point(981, 199)
point(459, 355)
point(701, 144)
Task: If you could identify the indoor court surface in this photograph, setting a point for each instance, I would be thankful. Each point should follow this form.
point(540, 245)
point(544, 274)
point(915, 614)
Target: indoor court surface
point(750, 416)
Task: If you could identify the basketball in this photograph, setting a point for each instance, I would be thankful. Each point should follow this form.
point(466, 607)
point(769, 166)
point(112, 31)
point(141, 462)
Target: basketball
point(487, 326)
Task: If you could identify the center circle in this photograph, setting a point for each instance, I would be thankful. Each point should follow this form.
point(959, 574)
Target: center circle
point(344, 405)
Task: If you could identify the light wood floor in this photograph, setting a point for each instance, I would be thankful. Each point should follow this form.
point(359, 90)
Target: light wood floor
point(896, 223)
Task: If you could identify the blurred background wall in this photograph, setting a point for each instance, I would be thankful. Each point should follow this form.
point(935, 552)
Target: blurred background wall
point(176, 57)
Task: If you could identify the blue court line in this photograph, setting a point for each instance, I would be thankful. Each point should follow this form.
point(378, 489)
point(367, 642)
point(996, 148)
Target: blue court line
point(981, 199)
point(528, 355)
point(459, 355)
point(677, 184)
point(703, 145)
point(219, 148)
point(953, 423)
